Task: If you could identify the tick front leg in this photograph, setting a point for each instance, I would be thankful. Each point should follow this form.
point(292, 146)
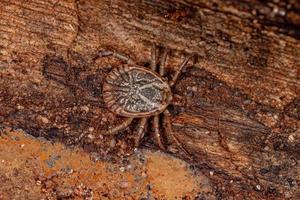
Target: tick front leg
point(155, 126)
point(141, 130)
point(118, 128)
point(181, 67)
point(107, 53)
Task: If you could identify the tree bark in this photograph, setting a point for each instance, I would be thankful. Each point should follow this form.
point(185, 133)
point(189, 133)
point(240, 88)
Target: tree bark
point(238, 107)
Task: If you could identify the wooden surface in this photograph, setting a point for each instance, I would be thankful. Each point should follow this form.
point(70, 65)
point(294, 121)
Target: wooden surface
point(238, 107)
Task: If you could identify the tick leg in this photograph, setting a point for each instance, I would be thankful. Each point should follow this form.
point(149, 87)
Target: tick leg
point(118, 128)
point(163, 61)
point(141, 130)
point(107, 53)
point(177, 73)
point(169, 132)
point(155, 126)
point(153, 57)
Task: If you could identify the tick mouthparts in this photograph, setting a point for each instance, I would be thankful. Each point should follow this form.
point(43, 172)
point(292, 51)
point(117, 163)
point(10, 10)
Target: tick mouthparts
point(169, 98)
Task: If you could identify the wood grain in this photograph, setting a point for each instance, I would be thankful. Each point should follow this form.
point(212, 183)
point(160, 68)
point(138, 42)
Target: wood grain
point(237, 109)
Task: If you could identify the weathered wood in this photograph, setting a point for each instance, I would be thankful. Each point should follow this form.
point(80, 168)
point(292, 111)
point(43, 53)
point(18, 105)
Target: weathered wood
point(237, 110)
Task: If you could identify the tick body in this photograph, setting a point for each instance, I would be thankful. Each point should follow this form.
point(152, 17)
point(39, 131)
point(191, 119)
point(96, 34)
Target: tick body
point(138, 92)
point(134, 91)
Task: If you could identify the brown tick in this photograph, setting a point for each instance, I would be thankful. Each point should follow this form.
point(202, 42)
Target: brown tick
point(133, 91)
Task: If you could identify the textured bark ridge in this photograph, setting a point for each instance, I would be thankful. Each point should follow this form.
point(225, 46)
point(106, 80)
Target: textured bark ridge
point(237, 109)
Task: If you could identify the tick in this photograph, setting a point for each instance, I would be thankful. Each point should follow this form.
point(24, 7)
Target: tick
point(133, 91)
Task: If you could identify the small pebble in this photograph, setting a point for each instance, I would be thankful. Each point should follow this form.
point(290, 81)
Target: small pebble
point(85, 108)
point(38, 182)
point(144, 175)
point(124, 184)
point(291, 138)
point(122, 169)
point(100, 137)
point(113, 143)
point(90, 136)
point(266, 148)
point(258, 187)
point(104, 119)
point(19, 107)
point(67, 170)
point(129, 167)
point(194, 88)
point(43, 119)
